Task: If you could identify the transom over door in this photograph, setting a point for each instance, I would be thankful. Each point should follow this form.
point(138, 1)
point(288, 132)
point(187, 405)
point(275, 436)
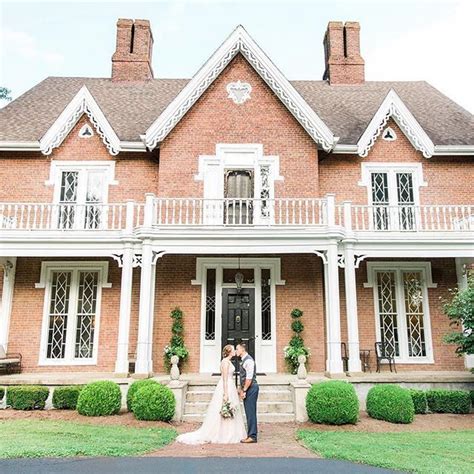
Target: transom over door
point(238, 317)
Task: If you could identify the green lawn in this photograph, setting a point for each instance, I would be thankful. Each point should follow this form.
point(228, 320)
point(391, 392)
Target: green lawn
point(425, 452)
point(44, 438)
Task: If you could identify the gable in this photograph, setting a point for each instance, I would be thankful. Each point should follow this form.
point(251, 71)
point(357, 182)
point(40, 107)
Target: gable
point(82, 104)
point(393, 108)
point(240, 42)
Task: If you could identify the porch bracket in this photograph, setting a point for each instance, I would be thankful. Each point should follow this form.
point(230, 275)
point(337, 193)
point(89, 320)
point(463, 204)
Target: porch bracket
point(118, 257)
point(358, 259)
point(323, 254)
point(341, 261)
point(157, 255)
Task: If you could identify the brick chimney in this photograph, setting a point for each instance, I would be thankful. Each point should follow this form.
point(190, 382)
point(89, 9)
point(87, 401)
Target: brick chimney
point(132, 58)
point(344, 64)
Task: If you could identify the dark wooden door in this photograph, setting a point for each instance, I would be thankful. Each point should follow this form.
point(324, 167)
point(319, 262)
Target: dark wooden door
point(238, 317)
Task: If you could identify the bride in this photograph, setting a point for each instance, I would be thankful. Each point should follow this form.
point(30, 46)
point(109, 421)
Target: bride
point(215, 428)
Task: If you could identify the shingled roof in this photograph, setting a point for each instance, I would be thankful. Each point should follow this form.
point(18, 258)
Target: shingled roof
point(131, 108)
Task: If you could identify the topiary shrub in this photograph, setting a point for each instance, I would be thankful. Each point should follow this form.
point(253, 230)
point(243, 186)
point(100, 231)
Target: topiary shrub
point(449, 401)
point(27, 397)
point(419, 401)
point(472, 397)
point(334, 403)
point(2, 393)
point(390, 403)
point(100, 399)
point(65, 398)
point(154, 402)
point(134, 387)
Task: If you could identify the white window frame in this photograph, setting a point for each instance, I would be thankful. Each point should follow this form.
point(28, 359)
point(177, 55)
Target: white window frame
point(47, 269)
point(398, 267)
point(234, 156)
point(392, 169)
point(83, 168)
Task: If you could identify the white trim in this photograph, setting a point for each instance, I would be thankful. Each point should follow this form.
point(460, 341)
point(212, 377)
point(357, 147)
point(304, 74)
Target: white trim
point(239, 42)
point(265, 351)
point(47, 267)
point(58, 166)
point(454, 150)
point(393, 107)
point(6, 299)
point(427, 282)
point(19, 146)
point(82, 103)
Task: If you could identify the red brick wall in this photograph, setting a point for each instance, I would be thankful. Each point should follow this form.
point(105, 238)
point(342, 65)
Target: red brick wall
point(23, 175)
point(216, 119)
point(27, 317)
point(444, 274)
point(448, 178)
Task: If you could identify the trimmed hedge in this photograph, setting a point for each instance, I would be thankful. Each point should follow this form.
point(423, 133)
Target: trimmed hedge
point(65, 398)
point(2, 393)
point(134, 387)
point(333, 403)
point(472, 397)
point(154, 402)
point(27, 397)
point(100, 399)
point(419, 401)
point(449, 401)
point(390, 403)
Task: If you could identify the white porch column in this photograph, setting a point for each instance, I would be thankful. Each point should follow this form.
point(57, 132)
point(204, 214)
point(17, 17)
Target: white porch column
point(144, 363)
point(9, 270)
point(121, 363)
point(351, 309)
point(333, 316)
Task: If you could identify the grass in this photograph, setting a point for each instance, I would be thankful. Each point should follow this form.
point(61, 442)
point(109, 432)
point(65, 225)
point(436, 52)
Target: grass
point(423, 452)
point(45, 438)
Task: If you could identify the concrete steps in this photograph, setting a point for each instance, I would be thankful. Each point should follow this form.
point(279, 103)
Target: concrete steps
point(275, 402)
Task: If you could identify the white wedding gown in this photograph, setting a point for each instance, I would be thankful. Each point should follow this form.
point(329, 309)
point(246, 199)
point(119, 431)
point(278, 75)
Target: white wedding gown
point(216, 429)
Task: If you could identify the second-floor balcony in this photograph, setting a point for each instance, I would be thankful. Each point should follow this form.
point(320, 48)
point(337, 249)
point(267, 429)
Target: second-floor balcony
point(157, 213)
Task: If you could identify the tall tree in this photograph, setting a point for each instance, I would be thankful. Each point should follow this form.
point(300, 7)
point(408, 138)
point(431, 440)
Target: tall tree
point(5, 94)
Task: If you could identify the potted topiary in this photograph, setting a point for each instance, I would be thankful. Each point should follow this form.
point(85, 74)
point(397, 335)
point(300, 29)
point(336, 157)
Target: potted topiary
point(295, 347)
point(176, 345)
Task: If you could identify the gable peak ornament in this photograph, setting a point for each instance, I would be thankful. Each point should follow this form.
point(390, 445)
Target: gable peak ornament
point(239, 91)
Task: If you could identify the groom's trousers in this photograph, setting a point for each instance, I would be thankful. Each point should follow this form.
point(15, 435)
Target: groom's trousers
point(250, 405)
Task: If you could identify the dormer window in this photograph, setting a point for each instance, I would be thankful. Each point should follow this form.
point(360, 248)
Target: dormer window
point(86, 131)
point(389, 135)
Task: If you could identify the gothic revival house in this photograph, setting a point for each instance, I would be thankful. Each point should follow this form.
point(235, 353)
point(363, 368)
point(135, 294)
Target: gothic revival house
point(237, 196)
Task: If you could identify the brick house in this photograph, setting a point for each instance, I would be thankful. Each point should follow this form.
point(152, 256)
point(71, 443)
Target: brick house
point(237, 196)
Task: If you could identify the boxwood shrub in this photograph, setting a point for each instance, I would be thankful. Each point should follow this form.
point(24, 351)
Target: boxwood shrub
point(2, 393)
point(419, 401)
point(472, 397)
point(134, 387)
point(27, 397)
point(99, 399)
point(65, 398)
point(334, 403)
point(390, 403)
point(153, 402)
point(449, 401)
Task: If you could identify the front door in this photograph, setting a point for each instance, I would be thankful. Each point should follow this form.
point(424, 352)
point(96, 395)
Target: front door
point(238, 317)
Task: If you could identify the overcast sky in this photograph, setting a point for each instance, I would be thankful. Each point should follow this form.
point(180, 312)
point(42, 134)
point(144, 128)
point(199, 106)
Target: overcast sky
point(401, 39)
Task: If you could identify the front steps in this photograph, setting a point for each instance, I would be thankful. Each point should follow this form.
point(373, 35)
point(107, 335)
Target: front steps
point(275, 402)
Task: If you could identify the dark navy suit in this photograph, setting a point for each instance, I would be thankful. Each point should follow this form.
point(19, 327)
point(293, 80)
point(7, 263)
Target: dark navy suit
point(251, 396)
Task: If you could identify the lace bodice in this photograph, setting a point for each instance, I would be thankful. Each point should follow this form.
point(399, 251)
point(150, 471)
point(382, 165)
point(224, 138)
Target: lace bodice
point(231, 370)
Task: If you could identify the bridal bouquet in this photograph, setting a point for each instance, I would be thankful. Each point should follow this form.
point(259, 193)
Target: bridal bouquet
point(227, 410)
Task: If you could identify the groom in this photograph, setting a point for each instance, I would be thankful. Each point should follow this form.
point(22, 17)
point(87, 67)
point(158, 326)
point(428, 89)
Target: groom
point(248, 391)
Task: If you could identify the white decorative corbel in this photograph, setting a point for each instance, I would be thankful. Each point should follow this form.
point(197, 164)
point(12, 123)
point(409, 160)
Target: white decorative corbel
point(157, 255)
point(358, 259)
point(341, 260)
point(118, 257)
point(323, 254)
point(137, 260)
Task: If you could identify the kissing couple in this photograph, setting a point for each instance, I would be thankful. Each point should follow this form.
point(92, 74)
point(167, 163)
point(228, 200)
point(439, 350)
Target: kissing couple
point(224, 420)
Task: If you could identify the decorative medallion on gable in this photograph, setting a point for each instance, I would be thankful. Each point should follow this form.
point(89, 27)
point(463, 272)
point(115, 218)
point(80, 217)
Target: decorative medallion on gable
point(389, 134)
point(239, 91)
point(86, 131)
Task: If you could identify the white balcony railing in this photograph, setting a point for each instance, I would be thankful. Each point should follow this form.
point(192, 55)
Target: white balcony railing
point(239, 212)
point(406, 218)
point(194, 212)
point(39, 216)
